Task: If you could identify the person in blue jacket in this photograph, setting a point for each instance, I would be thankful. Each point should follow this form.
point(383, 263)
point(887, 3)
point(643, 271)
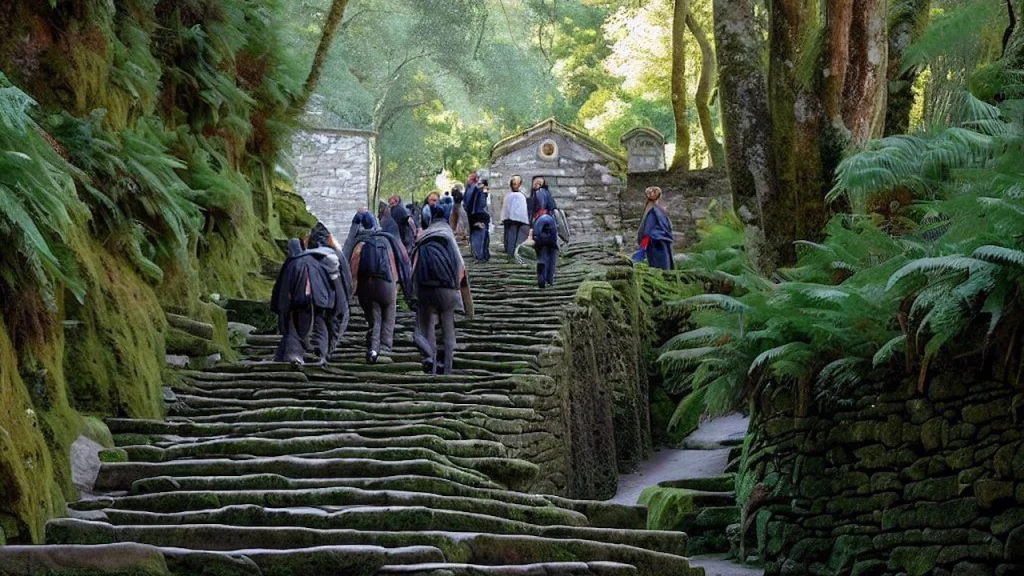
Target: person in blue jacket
point(479, 218)
point(655, 235)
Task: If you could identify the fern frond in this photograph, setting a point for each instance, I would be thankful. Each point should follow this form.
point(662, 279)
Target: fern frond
point(889, 350)
point(713, 301)
point(999, 255)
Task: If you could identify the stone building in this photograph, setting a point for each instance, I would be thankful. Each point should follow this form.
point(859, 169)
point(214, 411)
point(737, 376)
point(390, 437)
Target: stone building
point(646, 149)
point(336, 168)
point(583, 174)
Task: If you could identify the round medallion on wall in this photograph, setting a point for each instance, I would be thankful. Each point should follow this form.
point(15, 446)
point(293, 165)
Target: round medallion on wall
point(548, 150)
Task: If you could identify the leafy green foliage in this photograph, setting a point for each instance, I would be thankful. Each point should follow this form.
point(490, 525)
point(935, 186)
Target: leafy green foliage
point(908, 283)
point(38, 203)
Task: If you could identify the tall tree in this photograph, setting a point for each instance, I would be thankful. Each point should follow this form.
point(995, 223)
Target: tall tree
point(681, 160)
point(826, 91)
point(747, 124)
point(702, 99)
point(323, 49)
point(908, 19)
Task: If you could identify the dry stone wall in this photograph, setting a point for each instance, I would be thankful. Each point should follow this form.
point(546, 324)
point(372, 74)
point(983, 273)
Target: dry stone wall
point(689, 198)
point(894, 482)
point(334, 173)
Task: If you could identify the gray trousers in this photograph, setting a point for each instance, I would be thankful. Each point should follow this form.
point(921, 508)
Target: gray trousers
point(515, 234)
point(379, 299)
point(436, 304)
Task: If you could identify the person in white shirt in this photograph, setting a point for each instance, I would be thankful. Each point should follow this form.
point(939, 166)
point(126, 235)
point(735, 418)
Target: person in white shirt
point(515, 218)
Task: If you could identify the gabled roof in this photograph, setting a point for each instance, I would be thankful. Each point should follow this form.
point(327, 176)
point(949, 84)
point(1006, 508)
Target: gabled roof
point(642, 130)
point(554, 126)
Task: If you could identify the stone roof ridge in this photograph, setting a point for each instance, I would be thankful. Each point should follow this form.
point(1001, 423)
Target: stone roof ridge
point(642, 130)
point(554, 126)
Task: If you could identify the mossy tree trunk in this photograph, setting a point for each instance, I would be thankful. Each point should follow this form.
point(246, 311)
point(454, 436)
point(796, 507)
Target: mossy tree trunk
point(826, 90)
point(907, 20)
point(331, 24)
point(1013, 54)
point(797, 114)
point(681, 159)
point(702, 98)
point(747, 124)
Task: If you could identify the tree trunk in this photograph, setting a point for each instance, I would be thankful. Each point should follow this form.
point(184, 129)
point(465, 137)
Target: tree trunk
point(681, 160)
point(331, 25)
point(1013, 55)
point(747, 124)
point(797, 110)
point(907, 21)
point(703, 97)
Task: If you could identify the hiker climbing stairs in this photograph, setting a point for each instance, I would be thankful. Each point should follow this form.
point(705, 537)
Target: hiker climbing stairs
point(264, 468)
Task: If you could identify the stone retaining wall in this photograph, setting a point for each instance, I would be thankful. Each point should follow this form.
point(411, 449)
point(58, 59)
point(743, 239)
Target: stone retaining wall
point(334, 174)
point(894, 482)
point(688, 197)
point(601, 379)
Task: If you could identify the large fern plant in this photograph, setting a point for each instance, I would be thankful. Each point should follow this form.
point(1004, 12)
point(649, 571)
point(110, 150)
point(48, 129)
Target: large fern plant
point(874, 294)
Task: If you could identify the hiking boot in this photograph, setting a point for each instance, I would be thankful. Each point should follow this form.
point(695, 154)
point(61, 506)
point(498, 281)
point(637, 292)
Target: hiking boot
point(372, 356)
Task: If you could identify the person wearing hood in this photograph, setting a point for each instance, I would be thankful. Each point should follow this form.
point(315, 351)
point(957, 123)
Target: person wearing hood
point(380, 264)
point(654, 239)
point(515, 218)
point(439, 275)
point(479, 218)
point(322, 242)
point(304, 298)
point(403, 219)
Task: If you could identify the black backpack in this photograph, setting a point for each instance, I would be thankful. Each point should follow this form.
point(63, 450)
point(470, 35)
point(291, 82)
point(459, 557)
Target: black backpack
point(435, 267)
point(375, 259)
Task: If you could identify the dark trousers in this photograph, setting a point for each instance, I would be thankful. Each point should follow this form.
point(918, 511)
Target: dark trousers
point(547, 261)
point(480, 240)
point(659, 254)
point(379, 299)
point(296, 326)
point(436, 304)
point(515, 234)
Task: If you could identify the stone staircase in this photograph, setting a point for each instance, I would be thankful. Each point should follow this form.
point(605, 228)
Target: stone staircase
point(262, 468)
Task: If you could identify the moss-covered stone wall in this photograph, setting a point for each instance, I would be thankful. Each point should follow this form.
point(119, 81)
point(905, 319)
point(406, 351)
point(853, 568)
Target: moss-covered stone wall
point(601, 379)
point(891, 481)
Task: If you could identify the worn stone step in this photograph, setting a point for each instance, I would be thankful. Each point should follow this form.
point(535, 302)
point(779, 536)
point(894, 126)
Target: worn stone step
point(599, 514)
point(130, 559)
point(119, 476)
point(408, 403)
point(368, 411)
point(544, 569)
point(396, 518)
point(250, 508)
point(472, 548)
point(379, 428)
point(310, 445)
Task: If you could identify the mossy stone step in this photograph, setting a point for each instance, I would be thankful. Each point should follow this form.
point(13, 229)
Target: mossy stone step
point(393, 518)
point(540, 513)
point(381, 428)
point(459, 547)
point(598, 514)
point(311, 444)
point(721, 483)
point(544, 569)
point(120, 476)
point(130, 559)
point(404, 404)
